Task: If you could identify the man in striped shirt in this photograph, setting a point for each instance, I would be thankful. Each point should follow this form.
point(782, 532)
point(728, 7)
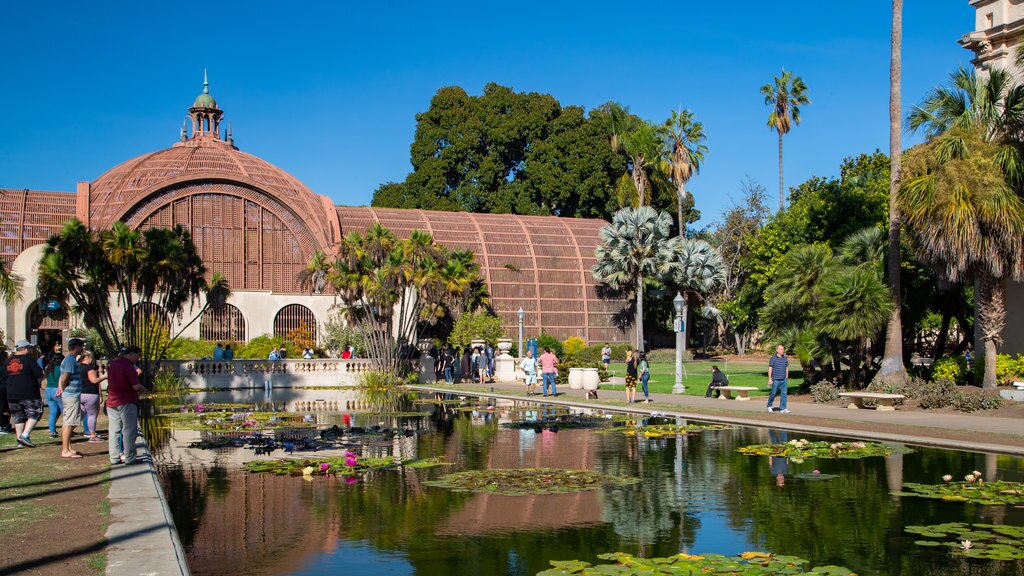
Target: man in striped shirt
point(778, 378)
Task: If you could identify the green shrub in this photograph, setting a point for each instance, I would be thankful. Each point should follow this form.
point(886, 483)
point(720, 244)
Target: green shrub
point(473, 325)
point(546, 340)
point(563, 370)
point(259, 347)
point(825, 392)
point(92, 339)
point(938, 394)
point(950, 368)
point(592, 353)
point(191, 349)
point(167, 382)
point(972, 400)
point(1009, 368)
point(573, 345)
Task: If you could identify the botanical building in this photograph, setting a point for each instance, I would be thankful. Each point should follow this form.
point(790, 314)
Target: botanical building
point(258, 226)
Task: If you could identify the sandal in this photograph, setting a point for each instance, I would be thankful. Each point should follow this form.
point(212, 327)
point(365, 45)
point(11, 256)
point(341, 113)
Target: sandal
point(71, 455)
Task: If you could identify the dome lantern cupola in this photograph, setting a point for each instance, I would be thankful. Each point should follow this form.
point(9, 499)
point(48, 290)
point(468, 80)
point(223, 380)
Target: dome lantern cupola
point(206, 117)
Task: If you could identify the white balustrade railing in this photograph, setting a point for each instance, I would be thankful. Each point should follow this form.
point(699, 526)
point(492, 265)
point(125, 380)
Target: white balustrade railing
point(293, 372)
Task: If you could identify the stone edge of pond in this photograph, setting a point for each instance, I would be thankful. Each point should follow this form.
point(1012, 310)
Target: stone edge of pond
point(857, 430)
point(141, 537)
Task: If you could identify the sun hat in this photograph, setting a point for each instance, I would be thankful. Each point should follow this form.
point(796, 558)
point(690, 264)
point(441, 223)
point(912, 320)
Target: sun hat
point(22, 344)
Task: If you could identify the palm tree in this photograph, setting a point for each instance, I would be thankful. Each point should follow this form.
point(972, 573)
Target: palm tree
point(967, 222)
point(854, 306)
point(10, 283)
point(973, 117)
point(315, 273)
point(685, 152)
point(696, 271)
point(892, 368)
point(642, 146)
point(784, 97)
point(635, 247)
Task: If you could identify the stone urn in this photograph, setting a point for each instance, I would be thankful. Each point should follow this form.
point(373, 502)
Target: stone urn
point(478, 343)
point(425, 345)
point(576, 378)
point(504, 345)
point(591, 378)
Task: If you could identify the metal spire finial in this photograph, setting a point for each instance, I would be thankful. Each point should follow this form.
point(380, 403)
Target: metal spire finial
point(206, 83)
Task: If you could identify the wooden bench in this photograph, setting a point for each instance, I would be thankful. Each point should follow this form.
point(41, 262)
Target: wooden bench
point(742, 392)
point(885, 401)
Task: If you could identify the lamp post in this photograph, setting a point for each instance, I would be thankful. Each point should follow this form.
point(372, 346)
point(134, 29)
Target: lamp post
point(522, 315)
point(680, 329)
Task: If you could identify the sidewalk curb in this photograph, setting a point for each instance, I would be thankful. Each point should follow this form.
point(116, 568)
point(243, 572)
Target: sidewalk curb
point(141, 539)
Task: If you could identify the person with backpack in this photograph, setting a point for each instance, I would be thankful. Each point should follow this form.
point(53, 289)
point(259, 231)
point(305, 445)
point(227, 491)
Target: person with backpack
point(644, 368)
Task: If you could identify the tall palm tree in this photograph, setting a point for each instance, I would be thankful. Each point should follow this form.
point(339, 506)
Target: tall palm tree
point(785, 97)
point(642, 145)
point(685, 150)
point(10, 283)
point(696, 271)
point(892, 369)
point(961, 219)
point(634, 247)
point(315, 273)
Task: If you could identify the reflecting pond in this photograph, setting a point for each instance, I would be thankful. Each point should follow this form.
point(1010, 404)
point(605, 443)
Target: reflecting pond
point(696, 494)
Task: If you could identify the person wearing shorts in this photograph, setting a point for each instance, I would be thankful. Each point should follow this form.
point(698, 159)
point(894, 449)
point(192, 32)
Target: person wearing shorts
point(631, 374)
point(25, 382)
point(69, 390)
point(529, 366)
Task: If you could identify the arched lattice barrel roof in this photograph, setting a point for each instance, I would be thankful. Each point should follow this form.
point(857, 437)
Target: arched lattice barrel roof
point(540, 263)
point(122, 188)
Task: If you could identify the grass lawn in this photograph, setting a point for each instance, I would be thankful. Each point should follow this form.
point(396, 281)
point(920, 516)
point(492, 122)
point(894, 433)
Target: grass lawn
point(697, 375)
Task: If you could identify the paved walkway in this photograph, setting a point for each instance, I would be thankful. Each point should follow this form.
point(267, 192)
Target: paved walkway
point(142, 540)
point(976, 432)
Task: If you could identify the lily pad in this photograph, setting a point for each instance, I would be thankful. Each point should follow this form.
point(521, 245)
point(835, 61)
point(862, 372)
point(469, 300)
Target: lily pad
point(808, 449)
point(344, 465)
point(816, 477)
point(984, 541)
point(994, 493)
point(747, 564)
point(426, 463)
point(663, 430)
point(523, 481)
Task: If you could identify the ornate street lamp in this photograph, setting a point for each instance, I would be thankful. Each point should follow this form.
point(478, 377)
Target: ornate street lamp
point(522, 315)
point(680, 329)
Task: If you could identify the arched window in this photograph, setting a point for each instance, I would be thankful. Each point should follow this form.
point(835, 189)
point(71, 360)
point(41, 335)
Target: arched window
point(293, 317)
point(224, 325)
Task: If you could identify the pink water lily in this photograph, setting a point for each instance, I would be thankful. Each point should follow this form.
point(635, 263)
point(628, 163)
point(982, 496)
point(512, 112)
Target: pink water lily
point(324, 466)
point(350, 460)
point(199, 408)
point(947, 477)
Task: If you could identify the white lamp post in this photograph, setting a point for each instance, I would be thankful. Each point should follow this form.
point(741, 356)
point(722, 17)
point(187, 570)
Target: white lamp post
point(522, 315)
point(680, 329)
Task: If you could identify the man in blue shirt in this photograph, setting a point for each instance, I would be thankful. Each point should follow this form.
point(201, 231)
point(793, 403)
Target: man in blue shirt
point(778, 378)
point(69, 390)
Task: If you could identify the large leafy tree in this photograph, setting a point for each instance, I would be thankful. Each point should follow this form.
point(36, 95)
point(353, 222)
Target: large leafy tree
point(892, 368)
point(636, 247)
point(684, 152)
point(143, 271)
point(962, 190)
point(784, 96)
point(390, 286)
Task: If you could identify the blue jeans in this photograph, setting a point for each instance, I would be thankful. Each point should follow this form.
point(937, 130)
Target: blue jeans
point(643, 383)
point(550, 377)
point(779, 388)
point(448, 374)
point(56, 408)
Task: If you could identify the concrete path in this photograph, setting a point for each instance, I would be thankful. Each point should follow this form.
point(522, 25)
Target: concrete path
point(141, 539)
point(976, 432)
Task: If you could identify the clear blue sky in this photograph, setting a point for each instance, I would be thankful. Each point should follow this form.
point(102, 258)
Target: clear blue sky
point(329, 91)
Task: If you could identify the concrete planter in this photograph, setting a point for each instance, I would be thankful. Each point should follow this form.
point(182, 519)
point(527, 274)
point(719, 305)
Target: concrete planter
point(576, 378)
point(591, 379)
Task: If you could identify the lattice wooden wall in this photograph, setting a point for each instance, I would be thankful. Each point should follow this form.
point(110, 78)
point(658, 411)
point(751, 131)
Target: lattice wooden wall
point(225, 325)
point(294, 316)
point(144, 311)
point(30, 217)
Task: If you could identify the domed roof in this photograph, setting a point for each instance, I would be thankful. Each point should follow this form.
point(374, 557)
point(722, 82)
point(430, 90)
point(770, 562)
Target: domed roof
point(114, 194)
point(204, 100)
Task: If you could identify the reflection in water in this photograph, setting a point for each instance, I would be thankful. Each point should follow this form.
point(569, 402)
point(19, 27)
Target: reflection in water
point(697, 495)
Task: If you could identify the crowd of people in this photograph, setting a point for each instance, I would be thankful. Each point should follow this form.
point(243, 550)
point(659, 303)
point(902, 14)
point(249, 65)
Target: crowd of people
point(72, 387)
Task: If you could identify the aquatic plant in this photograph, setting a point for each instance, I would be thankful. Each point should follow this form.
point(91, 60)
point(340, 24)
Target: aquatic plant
point(523, 481)
point(661, 430)
point(807, 449)
point(426, 463)
point(985, 541)
point(973, 489)
point(745, 564)
point(347, 465)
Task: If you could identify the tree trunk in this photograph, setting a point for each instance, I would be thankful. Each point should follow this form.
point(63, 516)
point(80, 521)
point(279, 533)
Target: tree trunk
point(990, 309)
point(679, 204)
point(941, 339)
point(781, 187)
point(640, 313)
point(892, 369)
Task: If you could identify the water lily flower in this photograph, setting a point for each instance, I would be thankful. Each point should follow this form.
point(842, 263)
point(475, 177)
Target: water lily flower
point(324, 466)
point(858, 445)
point(966, 545)
point(969, 478)
point(816, 472)
point(307, 471)
point(794, 442)
point(836, 446)
point(350, 461)
point(199, 408)
point(947, 477)
point(976, 474)
point(183, 409)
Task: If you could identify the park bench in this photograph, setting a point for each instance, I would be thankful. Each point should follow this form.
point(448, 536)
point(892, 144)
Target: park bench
point(885, 401)
point(742, 392)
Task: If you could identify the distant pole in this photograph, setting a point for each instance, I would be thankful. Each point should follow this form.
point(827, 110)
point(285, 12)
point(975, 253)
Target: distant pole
point(680, 329)
point(519, 351)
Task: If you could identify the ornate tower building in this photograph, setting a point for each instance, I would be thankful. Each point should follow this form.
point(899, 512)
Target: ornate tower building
point(998, 33)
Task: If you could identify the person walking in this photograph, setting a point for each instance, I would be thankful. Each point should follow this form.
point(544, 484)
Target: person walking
point(489, 352)
point(448, 361)
point(549, 371)
point(123, 389)
point(69, 390)
point(91, 380)
point(718, 379)
point(606, 356)
point(632, 362)
point(51, 369)
point(529, 366)
point(778, 378)
point(644, 367)
point(25, 382)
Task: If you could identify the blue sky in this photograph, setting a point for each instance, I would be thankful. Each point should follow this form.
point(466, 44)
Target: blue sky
point(329, 91)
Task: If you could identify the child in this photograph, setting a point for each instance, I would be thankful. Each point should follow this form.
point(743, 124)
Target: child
point(529, 366)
